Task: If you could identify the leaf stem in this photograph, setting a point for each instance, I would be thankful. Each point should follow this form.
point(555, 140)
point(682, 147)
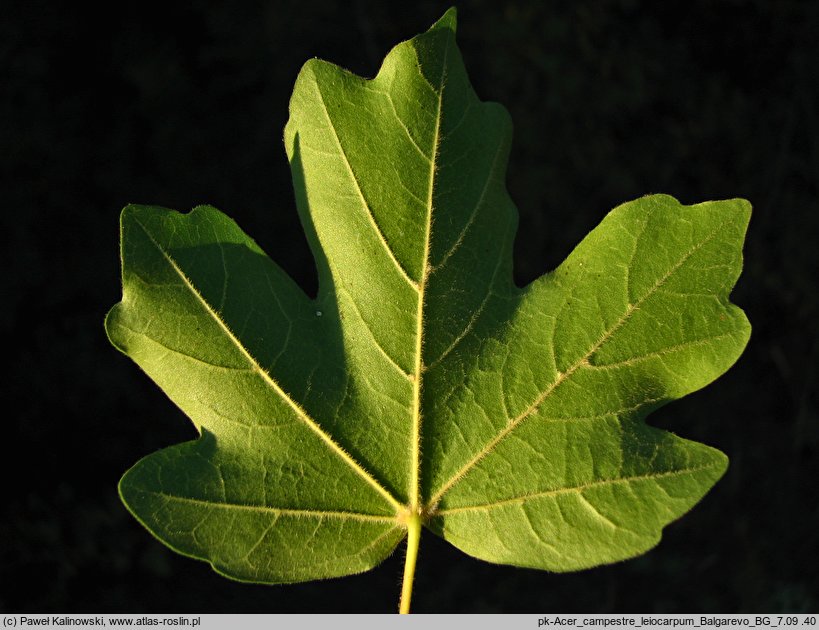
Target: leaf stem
point(413, 539)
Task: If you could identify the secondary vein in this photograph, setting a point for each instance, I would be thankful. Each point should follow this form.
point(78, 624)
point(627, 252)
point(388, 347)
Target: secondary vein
point(376, 228)
point(571, 490)
point(299, 513)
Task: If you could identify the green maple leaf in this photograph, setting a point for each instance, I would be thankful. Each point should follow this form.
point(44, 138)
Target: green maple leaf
point(421, 387)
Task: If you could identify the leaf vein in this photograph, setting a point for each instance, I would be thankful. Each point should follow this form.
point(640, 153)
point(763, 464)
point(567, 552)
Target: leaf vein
point(266, 509)
point(476, 314)
point(388, 95)
point(522, 499)
point(660, 353)
point(378, 346)
point(368, 210)
point(481, 199)
point(598, 515)
point(271, 382)
point(583, 361)
point(415, 448)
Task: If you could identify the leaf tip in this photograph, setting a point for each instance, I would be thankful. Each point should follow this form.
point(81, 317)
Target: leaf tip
point(448, 20)
point(129, 209)
point(744, 207)
point(722, 462)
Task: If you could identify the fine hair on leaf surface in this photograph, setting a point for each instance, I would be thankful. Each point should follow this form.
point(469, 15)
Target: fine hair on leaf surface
point(421, 388)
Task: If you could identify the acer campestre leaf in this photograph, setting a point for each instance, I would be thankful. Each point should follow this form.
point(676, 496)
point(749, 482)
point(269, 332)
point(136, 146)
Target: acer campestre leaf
point(421, 385)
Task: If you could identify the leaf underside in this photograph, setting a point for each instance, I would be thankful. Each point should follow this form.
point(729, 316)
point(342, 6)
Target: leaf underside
point(421, 379)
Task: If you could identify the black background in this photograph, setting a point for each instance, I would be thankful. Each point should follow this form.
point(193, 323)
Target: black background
point(184, 104)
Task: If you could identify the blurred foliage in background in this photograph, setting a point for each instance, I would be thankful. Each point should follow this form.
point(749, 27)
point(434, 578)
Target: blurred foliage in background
point(179, 104)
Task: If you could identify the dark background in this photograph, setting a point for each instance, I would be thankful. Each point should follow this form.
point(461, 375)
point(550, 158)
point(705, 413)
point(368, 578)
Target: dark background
point(182, 105)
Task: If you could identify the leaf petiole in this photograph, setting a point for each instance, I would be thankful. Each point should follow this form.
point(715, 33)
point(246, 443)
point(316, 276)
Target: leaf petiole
point(414, 527)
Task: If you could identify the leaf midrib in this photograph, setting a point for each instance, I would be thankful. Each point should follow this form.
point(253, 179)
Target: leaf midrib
point(415, 489)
